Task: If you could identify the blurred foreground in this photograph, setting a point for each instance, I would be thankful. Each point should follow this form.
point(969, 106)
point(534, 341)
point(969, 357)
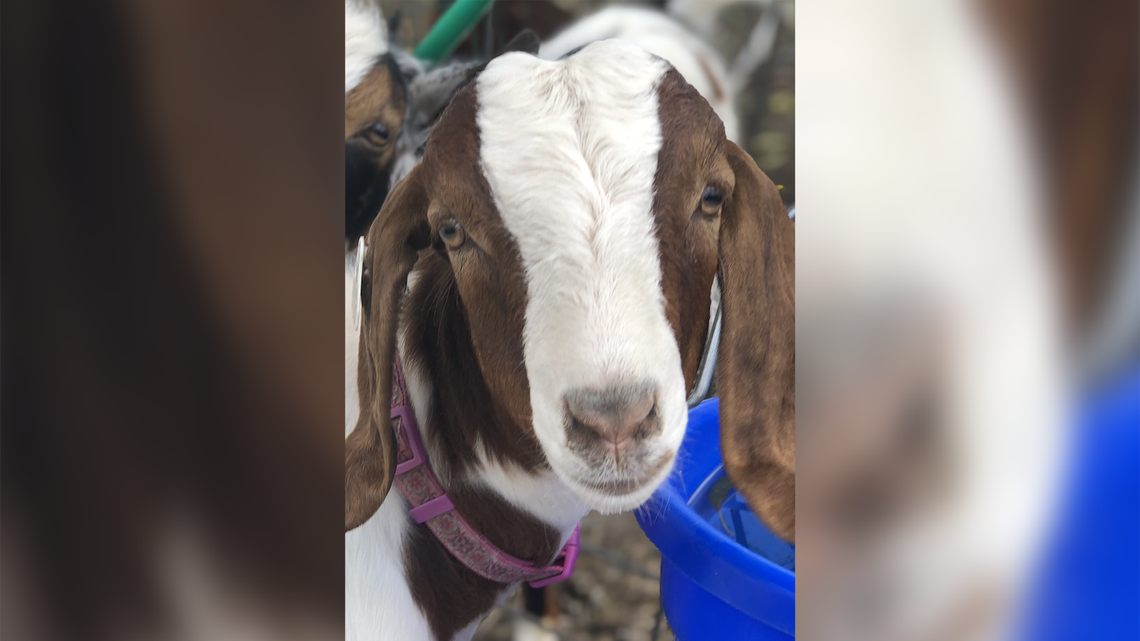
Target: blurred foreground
point(948, 294)
point(172, 333)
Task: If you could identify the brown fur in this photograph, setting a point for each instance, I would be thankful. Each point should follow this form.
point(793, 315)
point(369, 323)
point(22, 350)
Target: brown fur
point(756, 372)
point(452, 596)
point(463, 331)
point(754, 242)
point(1076, 67)
point(690, 158)
point(439, 340)
point(467, 311)
point(379, 97)
point(369, 451)
point(464, 412)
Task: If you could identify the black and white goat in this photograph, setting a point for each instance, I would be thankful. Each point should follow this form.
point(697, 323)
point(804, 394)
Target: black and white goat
point(543, 278)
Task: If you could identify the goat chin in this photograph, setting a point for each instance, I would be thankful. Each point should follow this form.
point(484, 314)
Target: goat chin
point(584, 482)
point(611, 504)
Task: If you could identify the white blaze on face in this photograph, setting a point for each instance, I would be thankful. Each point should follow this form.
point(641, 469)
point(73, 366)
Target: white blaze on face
point(569, 149)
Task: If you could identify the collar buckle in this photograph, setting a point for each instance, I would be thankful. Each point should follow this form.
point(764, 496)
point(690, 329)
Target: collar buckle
point(568, 558)
point(412, 436)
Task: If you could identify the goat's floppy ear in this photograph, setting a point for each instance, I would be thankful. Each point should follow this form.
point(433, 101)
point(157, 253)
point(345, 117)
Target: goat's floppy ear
point(756, 371)
point(396, 236)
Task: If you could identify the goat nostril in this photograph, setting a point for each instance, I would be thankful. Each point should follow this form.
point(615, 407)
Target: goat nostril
point(614, 414)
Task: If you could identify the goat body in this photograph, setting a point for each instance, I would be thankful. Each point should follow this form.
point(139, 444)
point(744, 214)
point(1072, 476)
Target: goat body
point(544, 275)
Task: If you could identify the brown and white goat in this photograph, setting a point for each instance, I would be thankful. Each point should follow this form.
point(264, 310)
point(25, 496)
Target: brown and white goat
point(544, 277)
point(374, 104)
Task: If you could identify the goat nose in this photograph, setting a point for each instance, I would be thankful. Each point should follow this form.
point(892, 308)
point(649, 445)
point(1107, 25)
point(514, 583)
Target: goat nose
point(616, 413)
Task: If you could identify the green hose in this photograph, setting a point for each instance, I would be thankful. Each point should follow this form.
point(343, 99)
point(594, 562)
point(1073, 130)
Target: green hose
point(450, 30)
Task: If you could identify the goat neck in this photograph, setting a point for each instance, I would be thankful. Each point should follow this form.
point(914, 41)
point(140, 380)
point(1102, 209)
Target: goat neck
point(492, 468)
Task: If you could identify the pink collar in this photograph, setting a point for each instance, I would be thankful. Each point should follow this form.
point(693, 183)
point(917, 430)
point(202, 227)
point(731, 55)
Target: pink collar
point(431, 505)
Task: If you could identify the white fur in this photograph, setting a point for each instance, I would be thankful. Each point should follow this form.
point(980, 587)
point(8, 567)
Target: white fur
point(662, 36)
point(569, 149)
point(544, 496)
point(365, 39)
point(377, 601)
point(351, 342)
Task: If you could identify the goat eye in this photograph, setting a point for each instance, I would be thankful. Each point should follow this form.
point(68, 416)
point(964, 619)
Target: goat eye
point(379, 131)
point(711, 200)
point(452, 234)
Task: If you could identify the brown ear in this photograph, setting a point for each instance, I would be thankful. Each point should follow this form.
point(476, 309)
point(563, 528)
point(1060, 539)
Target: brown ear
point(395, 238)
point(756, 371)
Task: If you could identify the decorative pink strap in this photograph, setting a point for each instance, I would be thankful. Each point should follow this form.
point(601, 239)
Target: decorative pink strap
point(430, 505)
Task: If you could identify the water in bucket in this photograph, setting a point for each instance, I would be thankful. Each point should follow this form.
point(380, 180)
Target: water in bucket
point(718, 502)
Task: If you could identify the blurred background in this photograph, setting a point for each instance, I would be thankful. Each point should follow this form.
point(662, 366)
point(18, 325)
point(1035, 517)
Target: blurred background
point(171, 247)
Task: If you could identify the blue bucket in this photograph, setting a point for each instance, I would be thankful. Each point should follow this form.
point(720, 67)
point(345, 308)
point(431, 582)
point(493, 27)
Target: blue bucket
point(1088, 586)
point(723, 575)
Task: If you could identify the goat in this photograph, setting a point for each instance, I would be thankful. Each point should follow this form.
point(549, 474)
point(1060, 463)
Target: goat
point(699, 64)
point(375, 95)
point(656, 32)
point(542, 278)
point(429, 92)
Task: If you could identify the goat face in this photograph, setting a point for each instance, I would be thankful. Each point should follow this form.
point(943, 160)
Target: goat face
point(579, 208)
point(374, 102)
